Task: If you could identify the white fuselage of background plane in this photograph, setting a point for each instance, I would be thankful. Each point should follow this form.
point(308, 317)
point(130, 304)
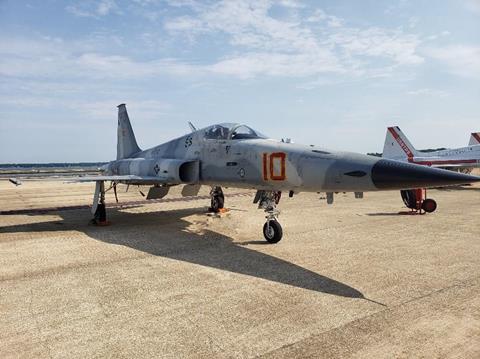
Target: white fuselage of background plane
point(398, 147)
point(460, 157)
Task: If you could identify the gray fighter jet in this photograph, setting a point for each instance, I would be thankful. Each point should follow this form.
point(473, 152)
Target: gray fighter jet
point(235, 155)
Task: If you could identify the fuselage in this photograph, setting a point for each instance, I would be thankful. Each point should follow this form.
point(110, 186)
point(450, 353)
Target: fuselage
point(228, 155)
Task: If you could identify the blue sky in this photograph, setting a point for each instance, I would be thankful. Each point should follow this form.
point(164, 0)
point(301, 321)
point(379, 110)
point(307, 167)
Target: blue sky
point(331, 73)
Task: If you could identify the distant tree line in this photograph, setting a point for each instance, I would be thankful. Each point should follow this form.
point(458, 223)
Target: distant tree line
point(52, 165)
point(379, 154)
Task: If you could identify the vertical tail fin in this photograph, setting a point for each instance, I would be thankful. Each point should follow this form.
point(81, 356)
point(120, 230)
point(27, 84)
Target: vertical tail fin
point(397, 145)
point(474, 139)
point(126, 142)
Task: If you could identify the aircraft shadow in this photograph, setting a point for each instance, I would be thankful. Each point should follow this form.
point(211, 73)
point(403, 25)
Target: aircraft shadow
point(405, 212)
point(171, 238)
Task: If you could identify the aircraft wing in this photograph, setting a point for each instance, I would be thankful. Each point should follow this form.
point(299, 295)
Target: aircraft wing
point(129, 179)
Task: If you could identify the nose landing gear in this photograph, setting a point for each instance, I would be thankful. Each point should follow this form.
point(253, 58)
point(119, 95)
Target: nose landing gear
point(272, 231)
point(268, 200)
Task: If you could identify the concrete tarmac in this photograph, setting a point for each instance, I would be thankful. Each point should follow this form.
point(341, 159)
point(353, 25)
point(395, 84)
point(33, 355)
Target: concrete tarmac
point(355, 279)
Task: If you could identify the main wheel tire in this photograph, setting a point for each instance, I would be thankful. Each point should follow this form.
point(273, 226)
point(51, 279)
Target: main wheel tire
point(409, 198)
point(100, 213)
point(217, 203)
point(429, 205)
point(221, 201)
point(272, 231)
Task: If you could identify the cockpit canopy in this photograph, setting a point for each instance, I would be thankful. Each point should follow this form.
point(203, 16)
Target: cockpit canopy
point(231, 131)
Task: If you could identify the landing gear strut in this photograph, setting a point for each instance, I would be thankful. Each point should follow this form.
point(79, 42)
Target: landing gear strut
point(268, 200)
point(217, 199)
point(417, 201)
point(98, 208)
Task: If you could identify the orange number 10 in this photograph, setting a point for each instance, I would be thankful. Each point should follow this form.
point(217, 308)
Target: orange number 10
point(274, 166)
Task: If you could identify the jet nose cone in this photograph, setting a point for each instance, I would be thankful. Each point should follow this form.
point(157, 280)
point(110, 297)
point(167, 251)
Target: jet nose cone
point(389, 174)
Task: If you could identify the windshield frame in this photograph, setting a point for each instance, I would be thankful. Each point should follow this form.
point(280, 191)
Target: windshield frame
point(226, 132)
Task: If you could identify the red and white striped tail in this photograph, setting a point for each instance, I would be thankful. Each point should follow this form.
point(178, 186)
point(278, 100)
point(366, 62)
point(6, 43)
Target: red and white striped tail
point(397, 145)
point(474, 139)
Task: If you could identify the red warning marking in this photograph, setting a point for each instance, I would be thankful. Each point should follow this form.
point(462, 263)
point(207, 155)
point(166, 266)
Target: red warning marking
point(444, 162)
point(265, 173)
point(476, 136)
point(402, 144)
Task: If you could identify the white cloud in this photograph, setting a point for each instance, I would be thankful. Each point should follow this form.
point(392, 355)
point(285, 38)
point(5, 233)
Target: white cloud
point(92, 8)
point(320, 38)
point(275, 64)
point(106, 6)
point(428, 92)
point(294, 4)
point(473, 5)
point(149, 110)
point(247, 23)
point(462, 60)
point(378, 42)
point(46, 58)
point(184, 23)
point(259, 45)
point(334, 21)
point(318, 15)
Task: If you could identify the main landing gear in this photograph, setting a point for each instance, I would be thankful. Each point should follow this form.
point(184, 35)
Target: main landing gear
point(268, 200)
point(217, 200)
point(417, 201)
point(98, 209)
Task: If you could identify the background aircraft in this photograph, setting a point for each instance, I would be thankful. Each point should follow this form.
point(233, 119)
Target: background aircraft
point(474, 139)
point(398, 147)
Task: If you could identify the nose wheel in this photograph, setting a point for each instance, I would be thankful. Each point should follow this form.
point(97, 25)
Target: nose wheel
point(268, 200)
point(272, 231)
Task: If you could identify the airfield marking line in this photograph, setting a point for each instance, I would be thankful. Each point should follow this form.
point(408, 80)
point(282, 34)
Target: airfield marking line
point(461, 284)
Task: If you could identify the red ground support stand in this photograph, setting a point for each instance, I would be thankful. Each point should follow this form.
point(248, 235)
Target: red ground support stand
point(421, 196)
point(418, 202)
point(422, 203)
